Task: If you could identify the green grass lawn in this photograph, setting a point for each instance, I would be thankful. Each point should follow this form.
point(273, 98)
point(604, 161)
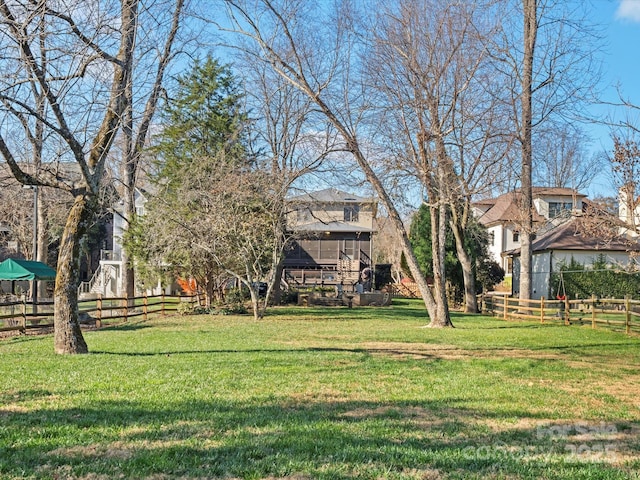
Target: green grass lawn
point(323, 393)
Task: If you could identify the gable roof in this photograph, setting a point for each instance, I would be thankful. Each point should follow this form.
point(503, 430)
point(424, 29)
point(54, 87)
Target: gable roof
point(572, 235)
point(505, 209)
point(555, 192)
point(16, 269)
point(336, 227)
point(330, 195)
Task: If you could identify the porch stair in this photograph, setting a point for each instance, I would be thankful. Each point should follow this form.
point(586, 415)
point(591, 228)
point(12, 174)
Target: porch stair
point(348, 270)
point(97, 283)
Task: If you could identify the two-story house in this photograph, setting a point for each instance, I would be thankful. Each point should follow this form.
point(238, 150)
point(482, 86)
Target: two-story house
point(107, 279)
point(503, 215)
point(332, 237)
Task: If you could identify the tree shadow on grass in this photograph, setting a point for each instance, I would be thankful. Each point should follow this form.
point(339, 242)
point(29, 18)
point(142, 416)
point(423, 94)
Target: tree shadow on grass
point(128, 326)
point(293, 438)
point(399, 309)
point(409, 350)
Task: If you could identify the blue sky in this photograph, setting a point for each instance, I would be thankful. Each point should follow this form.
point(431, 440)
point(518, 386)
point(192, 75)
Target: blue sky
point(620, 20)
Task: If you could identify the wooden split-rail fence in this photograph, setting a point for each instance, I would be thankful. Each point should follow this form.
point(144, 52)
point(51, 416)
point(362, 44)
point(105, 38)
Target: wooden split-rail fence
point(597, 312)
point(20, 315)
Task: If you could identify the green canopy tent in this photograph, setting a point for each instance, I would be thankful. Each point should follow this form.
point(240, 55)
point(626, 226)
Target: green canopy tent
point(15, 269)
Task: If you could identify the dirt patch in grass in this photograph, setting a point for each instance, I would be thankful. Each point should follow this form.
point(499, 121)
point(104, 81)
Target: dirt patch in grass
point(117, 450)
point(626, 390)
point(450, 352)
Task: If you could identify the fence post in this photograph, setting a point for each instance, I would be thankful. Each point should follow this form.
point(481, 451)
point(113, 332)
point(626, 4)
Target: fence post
point(145, 306)
point(99, 307)
point(627, 311)
point(567, 312)
point(126, 307)
point(23, 328)
point(593, 311)
point(162, 308)
point(504, 307)
point(541, 309)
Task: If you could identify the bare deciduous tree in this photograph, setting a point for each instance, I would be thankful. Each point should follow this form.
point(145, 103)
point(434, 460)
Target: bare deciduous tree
point(430, 65)
point(289, 141)
point(625, 165)
point(289, 39)
point(549, 63)
point(67, 73)
point(561, 158)
point(142, 100)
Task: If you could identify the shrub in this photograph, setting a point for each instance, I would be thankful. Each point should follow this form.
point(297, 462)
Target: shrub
point(599, 279)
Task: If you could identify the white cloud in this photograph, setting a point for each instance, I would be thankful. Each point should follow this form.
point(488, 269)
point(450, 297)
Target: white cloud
point(629, 10)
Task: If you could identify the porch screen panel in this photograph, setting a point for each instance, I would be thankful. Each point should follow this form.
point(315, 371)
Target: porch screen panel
point(349, 248)
point(329, 249)
point(365, 245)
point(308, 249)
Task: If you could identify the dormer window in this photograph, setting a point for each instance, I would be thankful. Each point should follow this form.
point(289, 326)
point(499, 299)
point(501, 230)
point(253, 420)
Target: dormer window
point(557, 209)
point(516, 236)
point(351, 213)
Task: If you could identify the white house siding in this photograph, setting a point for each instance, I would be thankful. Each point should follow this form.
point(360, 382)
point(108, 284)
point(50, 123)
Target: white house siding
point(495, 245)
point(587, 258)
point(541, 264)
point(118, 233)
point(509, 244)
point(502, 242)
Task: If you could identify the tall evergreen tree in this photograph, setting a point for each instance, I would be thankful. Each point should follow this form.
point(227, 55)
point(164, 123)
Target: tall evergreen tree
point(214, 214)
point(203, 139)
point(205, 118)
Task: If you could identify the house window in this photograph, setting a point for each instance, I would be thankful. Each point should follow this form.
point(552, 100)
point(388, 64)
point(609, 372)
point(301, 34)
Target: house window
point(351, 213)
point(516, 236)
point(558, 208)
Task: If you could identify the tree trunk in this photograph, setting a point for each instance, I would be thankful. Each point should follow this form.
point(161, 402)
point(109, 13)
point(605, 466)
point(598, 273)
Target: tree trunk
point(438, 314)
point(470, 299)
point(68, 337)
point(258, 312)
point(438, 232)
point(129, 208)
point(42, 241)
point(530, 35)
point(127, 278)
point(276, 295)
point(210, 291)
